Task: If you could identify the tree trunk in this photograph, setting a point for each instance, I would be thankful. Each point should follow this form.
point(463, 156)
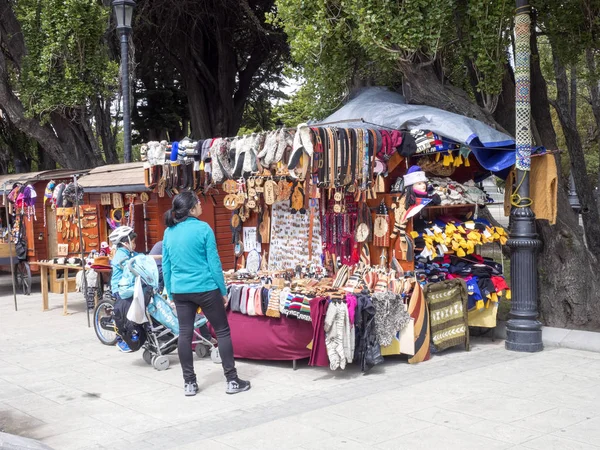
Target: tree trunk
point(567, 271)
point(62, 138)
point(421, 86)
point(594, 88)
point(505, 110)
point(589, 208)
point(45, 162)
point(105, 130)
point(76, 151)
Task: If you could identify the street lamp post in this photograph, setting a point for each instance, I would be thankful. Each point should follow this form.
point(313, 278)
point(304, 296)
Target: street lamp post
point(124, 12)
point(523, 330)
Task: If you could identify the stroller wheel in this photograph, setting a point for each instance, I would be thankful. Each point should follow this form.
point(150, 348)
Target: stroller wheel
point(215, 356)
point(161, 362)
point(147, 357)
point(201, 351)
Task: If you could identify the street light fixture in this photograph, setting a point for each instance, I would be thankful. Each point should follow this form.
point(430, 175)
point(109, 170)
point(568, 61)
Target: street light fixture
point(124, 13)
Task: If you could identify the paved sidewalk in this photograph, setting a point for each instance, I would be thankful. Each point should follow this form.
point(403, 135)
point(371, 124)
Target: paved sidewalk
point(59, 385)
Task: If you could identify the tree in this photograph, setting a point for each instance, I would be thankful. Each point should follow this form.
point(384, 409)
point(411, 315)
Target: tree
point(56, 78)
point(222, 50)
point(450, 54)
point(415, 41)
point(160, 103)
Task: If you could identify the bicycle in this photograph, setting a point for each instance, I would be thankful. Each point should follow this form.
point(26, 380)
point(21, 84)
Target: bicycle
point(104, 321)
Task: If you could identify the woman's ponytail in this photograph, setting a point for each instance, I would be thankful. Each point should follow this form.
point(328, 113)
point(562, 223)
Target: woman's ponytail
point(182, 205)
point(170, 218)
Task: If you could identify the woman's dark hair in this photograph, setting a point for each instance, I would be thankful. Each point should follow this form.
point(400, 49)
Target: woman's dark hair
point(182, 205)
point(409, 196)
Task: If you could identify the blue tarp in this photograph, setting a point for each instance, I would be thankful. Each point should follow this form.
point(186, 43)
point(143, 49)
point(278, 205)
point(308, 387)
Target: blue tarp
point(494, 150)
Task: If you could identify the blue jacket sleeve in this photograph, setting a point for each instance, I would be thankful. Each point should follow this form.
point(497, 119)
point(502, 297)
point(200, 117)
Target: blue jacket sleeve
point(117, 270)
point(214, 262)
point(166, 264)
point(127, 283)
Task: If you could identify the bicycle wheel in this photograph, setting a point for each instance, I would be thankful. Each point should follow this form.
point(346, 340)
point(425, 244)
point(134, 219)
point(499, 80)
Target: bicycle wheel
point(104, 323)
point(23, 277)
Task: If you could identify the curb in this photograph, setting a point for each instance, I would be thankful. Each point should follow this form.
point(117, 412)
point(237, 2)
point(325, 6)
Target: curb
point(588, 341)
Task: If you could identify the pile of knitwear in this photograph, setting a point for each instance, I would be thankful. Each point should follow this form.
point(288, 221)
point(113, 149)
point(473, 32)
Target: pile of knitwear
point(450, 235)
point(257, 300)
point(454, 193)
point(483, 276)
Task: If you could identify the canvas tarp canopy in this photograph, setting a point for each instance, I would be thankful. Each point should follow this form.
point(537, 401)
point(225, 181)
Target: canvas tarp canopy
point(377, 106)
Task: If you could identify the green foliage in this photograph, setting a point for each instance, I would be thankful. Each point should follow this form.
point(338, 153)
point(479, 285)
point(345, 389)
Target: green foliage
point(586, 125)
point(67, 61)
point(341, 43)
point(572, 25)
point(485, 28)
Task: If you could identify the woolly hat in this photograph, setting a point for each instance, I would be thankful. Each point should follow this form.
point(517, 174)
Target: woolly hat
point(414, 175)
point(48, 191)
point(174, 152)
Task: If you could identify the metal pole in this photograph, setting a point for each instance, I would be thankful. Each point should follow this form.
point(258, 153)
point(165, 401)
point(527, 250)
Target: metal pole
point(523, 330)
point(126, 102)
point(84, 285)
point(10, 247)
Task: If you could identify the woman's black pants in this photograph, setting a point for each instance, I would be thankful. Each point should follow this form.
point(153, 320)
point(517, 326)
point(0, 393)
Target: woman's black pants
point(212, 307)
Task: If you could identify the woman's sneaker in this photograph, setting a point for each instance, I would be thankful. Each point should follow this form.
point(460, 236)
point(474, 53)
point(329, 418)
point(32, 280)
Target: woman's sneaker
point(190, 389)
point(237, 385)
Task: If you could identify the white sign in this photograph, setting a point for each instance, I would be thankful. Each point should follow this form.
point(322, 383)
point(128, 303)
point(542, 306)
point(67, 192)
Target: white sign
point(250, 242)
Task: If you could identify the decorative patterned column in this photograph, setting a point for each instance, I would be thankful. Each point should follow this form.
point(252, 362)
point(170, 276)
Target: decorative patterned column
point(523, 330)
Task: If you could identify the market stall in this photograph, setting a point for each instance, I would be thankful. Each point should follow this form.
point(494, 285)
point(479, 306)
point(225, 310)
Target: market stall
point(25, 208)
point(365, 227)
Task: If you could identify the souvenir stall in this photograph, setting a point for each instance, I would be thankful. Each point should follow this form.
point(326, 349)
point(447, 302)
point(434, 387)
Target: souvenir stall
point(353, 239)
point(27, 208)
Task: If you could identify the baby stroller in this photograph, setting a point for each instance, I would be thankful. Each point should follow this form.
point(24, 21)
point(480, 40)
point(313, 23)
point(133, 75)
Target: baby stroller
point(161, 326)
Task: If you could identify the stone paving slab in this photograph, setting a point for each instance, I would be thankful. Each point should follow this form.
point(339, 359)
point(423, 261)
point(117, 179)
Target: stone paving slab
point(59, 385)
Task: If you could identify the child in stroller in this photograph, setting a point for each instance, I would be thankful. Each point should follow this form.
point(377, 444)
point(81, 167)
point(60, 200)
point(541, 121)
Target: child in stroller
point(158, 318)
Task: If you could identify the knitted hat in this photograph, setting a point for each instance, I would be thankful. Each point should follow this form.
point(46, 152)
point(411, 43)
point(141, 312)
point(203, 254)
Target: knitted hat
point(414, 175)
point(174, 152)
point(48, 191)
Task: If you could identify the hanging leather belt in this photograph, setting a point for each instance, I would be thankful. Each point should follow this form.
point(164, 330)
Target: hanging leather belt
point(343, 160)
point(372, 150)
point(351, 173)
point(332, 157)
point(325, 166)
point(360, 147)
point(317, 159)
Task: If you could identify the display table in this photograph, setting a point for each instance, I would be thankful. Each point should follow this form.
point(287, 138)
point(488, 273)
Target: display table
point(266, 338)
point(45, 267)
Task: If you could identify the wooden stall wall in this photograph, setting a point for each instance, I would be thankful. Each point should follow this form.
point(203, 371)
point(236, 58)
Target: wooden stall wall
point(222, 228)
point(155, 210)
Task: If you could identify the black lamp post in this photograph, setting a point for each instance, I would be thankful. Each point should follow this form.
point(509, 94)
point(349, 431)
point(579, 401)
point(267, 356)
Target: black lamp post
point(124, 12)
point(523, 330)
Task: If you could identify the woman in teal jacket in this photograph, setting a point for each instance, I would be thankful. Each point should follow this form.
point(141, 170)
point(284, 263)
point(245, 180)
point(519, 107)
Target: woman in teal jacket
point(194, 278)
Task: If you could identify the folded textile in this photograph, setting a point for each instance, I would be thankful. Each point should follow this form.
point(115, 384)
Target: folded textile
point(273, 306)
point(339, 336)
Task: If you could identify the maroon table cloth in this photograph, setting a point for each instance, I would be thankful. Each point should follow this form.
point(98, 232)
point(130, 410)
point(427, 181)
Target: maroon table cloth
point(266, 338)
